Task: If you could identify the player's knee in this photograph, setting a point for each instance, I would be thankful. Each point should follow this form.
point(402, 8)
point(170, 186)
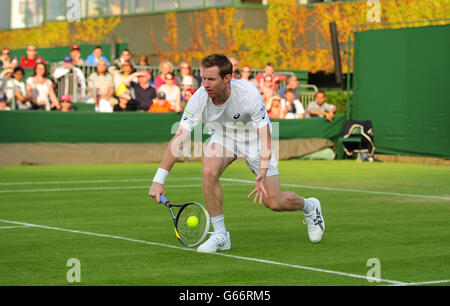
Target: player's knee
point(273, 204)
point(210, 174)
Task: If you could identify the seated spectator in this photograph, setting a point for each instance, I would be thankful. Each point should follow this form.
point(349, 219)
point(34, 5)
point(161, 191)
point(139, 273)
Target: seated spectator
point(101, 82)
point(31, 59)
point(186, 96)
point(119, 77)
point(269, 70)
point(66, 71)
point(236, 74)
point(125, 56)
point(97, 55)
point(4, 102)
point(246, 74)
point(125, 103)
point(276, 110)
point(102, 105)
point(75, 54)
point(172, 92)
point(141, 91)
point(291, 82)
point(186, 71)
point(319, 108)
point(5, 60)
point(143, 61)
point(41, 89)
point(293, 106)
point(266, 89)
point(160, 105)
point(164, 68)
point(18, 90)
point(66, 104)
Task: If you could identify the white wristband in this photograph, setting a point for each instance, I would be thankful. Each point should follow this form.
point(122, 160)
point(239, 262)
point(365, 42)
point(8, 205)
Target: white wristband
point(160, 176)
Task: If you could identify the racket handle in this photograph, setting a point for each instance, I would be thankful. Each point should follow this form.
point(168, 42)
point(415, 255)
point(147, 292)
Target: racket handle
point(164, 199)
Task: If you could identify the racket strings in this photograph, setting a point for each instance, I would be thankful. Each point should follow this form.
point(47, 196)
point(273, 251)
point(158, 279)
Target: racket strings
point(192, 235)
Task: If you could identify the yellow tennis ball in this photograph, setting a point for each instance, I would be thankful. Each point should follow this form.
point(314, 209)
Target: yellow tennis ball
point(192, 221)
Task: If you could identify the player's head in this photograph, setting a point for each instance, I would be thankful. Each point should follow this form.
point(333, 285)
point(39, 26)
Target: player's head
point(220, 61)
point(217, 73)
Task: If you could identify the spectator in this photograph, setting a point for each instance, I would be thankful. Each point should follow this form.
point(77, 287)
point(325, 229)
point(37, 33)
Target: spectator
point(234, 62)
point(269, 70)
point(4, 102)
point(102, 105)
point(164, 68)
point(125, 103)
point(319, 108)
point(293, 106)
point(266, 89)
point(119, 78)
point(101, 82)
point(124, 57)
point(62, 76)
point(187, 83)
point(143, 61)
point(291, 82)
point(186, 96)
point(18, 90)
point(66, 104)
point(172, 92)
point(75, 54)
point(186, 71)
point(246, 73)
point(141, 91)
point(97, 55)
point(5, 60)
point(160, 105)
point(31, 59)
point(41, 89)
point(276, 110)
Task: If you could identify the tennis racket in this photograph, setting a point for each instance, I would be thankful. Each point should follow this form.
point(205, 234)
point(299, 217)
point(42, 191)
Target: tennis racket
point(189, 236)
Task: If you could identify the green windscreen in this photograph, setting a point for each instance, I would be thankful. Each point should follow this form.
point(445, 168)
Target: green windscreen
point(401, 84)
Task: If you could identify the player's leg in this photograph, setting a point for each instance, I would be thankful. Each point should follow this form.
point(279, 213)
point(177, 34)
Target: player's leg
point(216, 159)
point(290, 201)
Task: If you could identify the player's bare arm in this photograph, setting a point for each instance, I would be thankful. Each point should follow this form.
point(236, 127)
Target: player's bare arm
point(264, 162)
point(169, 158)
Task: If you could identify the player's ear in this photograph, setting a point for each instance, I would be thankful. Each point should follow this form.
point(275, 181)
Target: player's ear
point(228, 78)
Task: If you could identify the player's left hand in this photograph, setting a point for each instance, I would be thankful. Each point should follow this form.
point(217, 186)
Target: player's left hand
point(259, 190)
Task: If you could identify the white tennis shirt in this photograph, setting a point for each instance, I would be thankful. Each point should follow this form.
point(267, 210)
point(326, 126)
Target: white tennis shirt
point(243, 109)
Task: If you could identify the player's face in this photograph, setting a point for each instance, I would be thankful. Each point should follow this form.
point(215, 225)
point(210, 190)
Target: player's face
point(214, 84)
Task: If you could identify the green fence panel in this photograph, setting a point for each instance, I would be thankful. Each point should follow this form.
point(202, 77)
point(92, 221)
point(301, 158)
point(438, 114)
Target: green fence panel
point(41, 126)
point(401, 83)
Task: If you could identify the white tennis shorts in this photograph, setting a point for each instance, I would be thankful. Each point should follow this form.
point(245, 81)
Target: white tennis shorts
point(249, 150)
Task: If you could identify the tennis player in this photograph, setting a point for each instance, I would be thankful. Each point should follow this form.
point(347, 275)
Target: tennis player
point(231, 108)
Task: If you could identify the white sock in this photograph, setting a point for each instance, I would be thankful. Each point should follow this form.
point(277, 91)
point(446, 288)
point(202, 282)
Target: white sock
point(309, 206)
point(218, 223)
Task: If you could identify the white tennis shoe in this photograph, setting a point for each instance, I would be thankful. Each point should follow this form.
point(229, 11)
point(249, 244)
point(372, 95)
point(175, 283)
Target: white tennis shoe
point(218, 241)
point(315, 222)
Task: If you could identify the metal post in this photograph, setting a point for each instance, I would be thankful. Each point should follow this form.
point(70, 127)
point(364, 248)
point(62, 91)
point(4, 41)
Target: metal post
point(349, 55)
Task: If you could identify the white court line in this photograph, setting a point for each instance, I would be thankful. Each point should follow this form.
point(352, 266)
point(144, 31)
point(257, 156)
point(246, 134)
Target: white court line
point(217, 254)
point(346, 190)
point(8, 227)
point(103, 188)
point(95, 181)
point(198, 178)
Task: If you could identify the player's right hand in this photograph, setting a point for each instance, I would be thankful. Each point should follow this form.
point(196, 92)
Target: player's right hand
point(156, 190)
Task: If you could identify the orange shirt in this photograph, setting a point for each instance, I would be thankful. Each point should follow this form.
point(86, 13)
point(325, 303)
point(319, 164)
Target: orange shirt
point(156, 108)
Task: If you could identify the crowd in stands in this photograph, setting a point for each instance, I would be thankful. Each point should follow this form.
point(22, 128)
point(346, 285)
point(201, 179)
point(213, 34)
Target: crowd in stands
point(124, 86)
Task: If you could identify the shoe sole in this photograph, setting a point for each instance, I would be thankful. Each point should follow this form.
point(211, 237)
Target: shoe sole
point(319, 207)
